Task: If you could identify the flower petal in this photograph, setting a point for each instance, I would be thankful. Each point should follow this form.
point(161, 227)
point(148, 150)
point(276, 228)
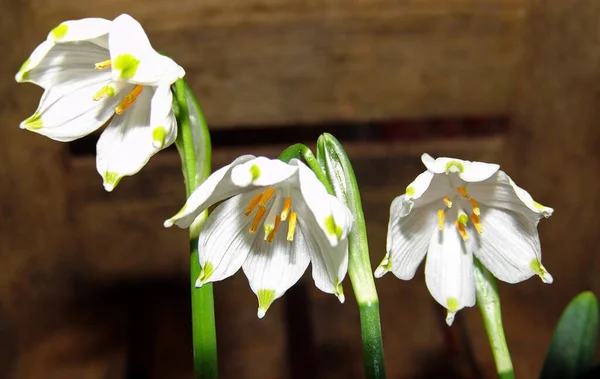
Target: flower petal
point(262, 172)
point(467, 170)
point(68, 111)
point(501, 192)
point(218, 186)
point(478, 171)
point(408, 237)
point(320, 203)
point(65, 64)
point(134, 59)
point(449, 271)
point(224, 241)
point(162, 119)
point(273, 267)
point(126, 144)
point(509, 246)
point(80, 30)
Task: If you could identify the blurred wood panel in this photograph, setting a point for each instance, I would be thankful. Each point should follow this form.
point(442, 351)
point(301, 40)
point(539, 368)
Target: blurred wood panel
point(265, 62)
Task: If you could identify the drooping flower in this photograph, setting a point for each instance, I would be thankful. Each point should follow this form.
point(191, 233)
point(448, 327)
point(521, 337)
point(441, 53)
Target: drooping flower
point(457, 209)
point(94, 69)
point(247, 230)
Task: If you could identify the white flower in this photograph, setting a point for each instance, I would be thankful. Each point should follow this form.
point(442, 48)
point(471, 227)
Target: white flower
point(94, 69)
point(456, 209)
point(268, 194)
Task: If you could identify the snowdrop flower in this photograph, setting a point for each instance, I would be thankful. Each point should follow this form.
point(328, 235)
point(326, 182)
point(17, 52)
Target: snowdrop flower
point(94, 69)
point(456, 209)
point(248, 229)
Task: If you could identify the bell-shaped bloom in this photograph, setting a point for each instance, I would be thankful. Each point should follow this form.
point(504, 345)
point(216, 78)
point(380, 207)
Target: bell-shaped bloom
point(457, 209)
point(93, 70)
point(275, 219)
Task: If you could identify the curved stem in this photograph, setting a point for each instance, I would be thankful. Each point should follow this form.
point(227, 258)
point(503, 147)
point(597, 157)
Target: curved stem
point(488, 301)
point(299, 149)
point(204, 337)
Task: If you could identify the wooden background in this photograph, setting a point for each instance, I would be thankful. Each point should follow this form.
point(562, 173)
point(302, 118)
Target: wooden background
point(92, 286)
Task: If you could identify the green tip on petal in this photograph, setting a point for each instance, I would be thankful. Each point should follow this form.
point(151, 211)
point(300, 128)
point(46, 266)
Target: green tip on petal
point(33, 123)
point(265, 299)
point(168, 223)
point(126, 64)
point(158, 136)
point(205, 274)
point(60, 31)
point(410, 191)
point(540, 270)
point(332, 228)
point(452, 304)
point(454, 166)
point(111, 179)
point(339, 292)
point(23, 74)
point(384, 267)
point(255, 172)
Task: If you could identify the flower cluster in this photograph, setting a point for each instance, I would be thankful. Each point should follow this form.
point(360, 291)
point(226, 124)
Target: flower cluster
point(456, 210)
point(93, 70)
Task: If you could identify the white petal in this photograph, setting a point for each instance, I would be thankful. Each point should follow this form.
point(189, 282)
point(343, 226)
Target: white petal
point(320, 204)
point(501, 192)
point(68, 111)
point(134, 59)
point(224, 241)
point(262, 172)
point(408, 238)
point(80, 30)
point(218, 186)
point(418, 187)
point(509, 246)
point(449, 271)
point(329, 263)
point(62, 64)
point(273, 267)
point(468, 171)
point(162, 119)
point(126, 144)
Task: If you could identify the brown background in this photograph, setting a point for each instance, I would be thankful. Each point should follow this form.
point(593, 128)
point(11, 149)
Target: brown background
point(92, 287)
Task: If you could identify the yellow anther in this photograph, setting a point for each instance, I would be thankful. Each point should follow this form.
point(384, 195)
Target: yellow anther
point(476, 222)
point(441, 218)
point(129, 99)
point(287, 206)
point(461, 229)
point(106, 91)
point(271, 235)
point(252, 204)
point(257, 218)
point(463, 192)
point(475, 206)
point(447, 202)
point(291, 226)
point(103, 64)
point(269, 191)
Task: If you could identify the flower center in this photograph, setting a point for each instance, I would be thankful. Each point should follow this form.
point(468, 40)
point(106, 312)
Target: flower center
point(462, 220)
point(274, 217)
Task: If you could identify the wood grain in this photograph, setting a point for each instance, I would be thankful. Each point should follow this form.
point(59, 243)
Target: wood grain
point(274, 62)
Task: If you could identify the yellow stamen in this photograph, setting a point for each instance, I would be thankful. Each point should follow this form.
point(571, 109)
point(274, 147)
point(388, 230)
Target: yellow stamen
point(461, 229)
point(447, 202)
point(441, 218)
point(103, 64)
point(463, 192)
point(106, 91)
point(291, 226)
point(269, 191)
point(129, 99)
point(476, 222)
point(287, 205)
point(272, 234)
point(257, 218)
point(252, 204)
point(475, 206)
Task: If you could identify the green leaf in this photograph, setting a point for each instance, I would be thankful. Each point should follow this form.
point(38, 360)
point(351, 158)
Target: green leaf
point(574, 341)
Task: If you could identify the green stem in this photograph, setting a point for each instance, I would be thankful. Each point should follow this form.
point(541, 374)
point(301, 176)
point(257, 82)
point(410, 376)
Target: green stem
point(333, 158)
point(488, 301)
point(204, 336)
point(295, 151)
